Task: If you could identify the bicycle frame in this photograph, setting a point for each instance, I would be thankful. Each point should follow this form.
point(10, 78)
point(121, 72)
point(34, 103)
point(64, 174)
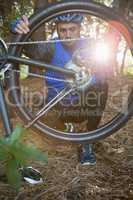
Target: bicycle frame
point(16, 59)
point(4, 112)
point(3, 105)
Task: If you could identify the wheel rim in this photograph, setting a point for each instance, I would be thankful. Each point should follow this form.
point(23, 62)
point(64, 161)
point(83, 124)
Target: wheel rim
point(89, 8)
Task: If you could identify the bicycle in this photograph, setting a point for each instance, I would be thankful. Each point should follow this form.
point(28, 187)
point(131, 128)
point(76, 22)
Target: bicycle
point(12, 58)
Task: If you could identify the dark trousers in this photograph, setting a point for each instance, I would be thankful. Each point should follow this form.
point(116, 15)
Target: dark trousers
point(90, 107)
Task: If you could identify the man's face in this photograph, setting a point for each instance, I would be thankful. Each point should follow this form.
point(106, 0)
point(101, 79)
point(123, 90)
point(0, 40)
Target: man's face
point(68, 31)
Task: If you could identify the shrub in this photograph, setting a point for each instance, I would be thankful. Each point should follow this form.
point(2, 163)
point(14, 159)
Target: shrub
point(15, 154)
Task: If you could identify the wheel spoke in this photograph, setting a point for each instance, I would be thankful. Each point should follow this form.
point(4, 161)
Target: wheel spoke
point(50, 105)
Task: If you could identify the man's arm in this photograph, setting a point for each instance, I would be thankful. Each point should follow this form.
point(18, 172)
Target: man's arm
point(43, 51)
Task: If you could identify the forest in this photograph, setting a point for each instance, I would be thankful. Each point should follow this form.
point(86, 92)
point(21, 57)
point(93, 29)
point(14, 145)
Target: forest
point(47, 145)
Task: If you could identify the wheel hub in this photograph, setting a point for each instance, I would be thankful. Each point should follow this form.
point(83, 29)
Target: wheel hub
point(83, 77)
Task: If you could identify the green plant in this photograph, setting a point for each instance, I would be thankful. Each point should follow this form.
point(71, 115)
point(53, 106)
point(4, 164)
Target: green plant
point(15, 154)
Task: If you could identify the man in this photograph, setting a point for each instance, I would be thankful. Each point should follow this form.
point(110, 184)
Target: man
point(59, 54)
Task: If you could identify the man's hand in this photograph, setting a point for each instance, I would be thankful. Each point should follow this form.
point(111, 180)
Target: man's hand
point(20, 26)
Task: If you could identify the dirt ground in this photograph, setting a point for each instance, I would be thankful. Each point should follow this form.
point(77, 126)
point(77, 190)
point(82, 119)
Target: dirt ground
point(65, 179)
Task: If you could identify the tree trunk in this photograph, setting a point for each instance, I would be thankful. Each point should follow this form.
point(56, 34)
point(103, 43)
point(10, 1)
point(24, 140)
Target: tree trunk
point(40, 33)
point(38, 4)
point(123, 5)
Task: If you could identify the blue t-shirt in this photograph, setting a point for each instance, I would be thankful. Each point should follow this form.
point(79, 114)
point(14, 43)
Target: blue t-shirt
point(61, 56)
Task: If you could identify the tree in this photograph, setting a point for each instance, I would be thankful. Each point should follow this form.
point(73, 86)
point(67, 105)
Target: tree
point(12, 9)
point(124, 6)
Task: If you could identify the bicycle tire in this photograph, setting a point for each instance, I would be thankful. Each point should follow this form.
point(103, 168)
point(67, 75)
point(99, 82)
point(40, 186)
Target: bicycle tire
point(36, 20)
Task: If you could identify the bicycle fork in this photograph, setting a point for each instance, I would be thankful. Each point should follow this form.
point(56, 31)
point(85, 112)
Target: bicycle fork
point(4, 112)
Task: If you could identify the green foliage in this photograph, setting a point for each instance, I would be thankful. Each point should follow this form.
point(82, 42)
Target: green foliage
point(10, 11)
point(14, 154)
